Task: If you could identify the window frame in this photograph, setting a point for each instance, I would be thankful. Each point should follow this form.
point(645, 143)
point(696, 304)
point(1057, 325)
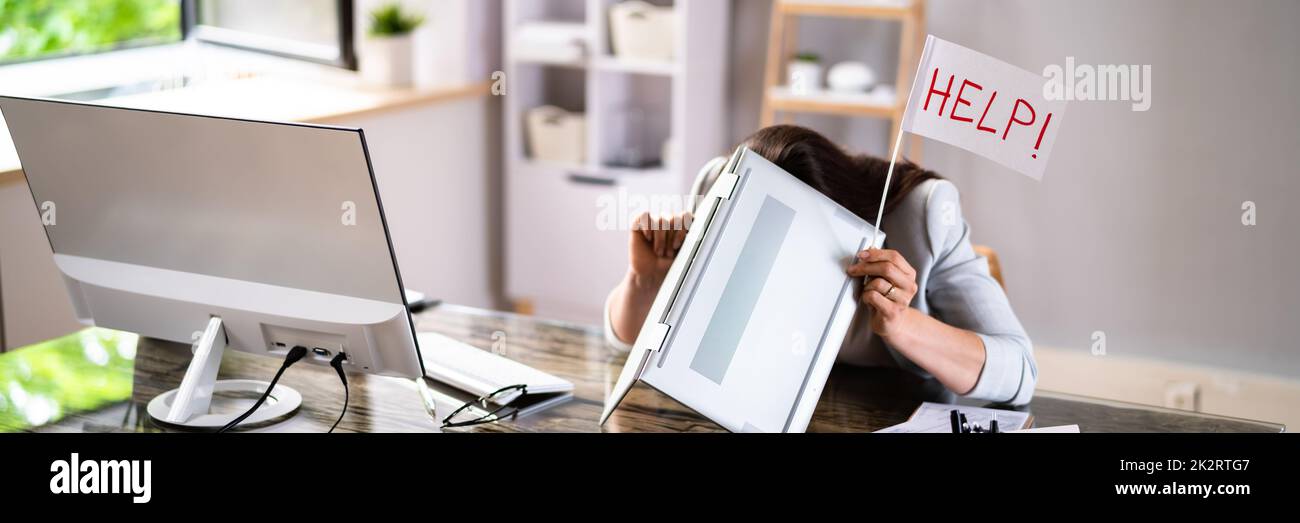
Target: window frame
point(345, 57)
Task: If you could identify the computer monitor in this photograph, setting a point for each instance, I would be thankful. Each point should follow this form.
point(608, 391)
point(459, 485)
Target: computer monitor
point(221, 232)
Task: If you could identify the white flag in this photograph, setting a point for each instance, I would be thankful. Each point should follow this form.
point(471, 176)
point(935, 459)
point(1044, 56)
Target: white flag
point(983, 105)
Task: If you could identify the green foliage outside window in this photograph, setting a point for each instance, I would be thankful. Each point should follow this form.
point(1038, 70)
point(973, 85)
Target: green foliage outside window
point(41, 28)
point(84, 371)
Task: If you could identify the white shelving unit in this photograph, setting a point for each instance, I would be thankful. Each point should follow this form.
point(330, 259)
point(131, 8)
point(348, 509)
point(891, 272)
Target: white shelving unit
point(558, 262)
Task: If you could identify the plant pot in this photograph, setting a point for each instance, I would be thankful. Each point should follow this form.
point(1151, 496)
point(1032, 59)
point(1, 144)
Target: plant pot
point(388, 61)
point(804, 77)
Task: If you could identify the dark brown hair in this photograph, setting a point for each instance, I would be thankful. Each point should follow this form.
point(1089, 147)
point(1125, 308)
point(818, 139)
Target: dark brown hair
point(854, 182)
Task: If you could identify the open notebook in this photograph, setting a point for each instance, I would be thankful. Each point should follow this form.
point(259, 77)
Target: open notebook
point(472, 373)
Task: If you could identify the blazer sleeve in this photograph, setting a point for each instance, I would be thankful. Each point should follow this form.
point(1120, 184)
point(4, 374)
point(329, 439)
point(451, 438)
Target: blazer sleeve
point(961, 292)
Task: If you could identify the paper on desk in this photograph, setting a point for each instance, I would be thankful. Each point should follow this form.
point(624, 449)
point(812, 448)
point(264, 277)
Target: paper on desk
point(933, 418)
point(1063, 429)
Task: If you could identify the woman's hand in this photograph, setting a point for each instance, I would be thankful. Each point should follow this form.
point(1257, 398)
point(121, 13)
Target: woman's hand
point(654, 244)
point(890, 287)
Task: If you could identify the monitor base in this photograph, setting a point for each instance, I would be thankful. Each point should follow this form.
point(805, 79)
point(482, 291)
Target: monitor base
point(188, 405)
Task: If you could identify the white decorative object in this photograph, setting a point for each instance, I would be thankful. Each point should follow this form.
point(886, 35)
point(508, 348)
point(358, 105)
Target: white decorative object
point(883, 93)
point(551, 42)
point(805, 77)
point(388, 60)
point(557, 136)
point(851, 77)
point(642, 31)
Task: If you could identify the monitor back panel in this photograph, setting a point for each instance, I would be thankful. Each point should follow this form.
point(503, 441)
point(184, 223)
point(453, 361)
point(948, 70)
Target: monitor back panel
point(280, 204)
point(160, 221)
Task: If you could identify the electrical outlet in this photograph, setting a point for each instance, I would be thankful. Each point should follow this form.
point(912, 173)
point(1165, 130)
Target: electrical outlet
point(1183, 395)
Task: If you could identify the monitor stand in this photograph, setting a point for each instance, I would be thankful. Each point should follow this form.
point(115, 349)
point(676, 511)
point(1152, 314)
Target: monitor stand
point(188, 405)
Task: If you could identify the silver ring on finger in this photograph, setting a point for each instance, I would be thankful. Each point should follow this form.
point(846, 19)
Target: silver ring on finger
point(889, 295)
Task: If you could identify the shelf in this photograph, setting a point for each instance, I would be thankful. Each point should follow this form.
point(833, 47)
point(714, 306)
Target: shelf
point(632, 65)
point(632, 171)
point(539, 165)
point(576, 64)
point(600, 170)
point(826, 102)
point(847, 9)
point(550, 42)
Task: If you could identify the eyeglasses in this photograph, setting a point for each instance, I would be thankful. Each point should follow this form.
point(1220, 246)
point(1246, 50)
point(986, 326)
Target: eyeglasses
point(466, 416)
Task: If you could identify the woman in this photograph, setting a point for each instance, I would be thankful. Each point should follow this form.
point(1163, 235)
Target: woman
point(931, 306)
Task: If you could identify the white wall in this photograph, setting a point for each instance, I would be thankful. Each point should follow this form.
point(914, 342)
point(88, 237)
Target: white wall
point(458, 43)
point(436, 181)
point(1135, 230)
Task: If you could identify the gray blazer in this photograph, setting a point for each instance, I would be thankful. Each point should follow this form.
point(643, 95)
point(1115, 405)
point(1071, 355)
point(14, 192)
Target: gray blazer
point(954, 286)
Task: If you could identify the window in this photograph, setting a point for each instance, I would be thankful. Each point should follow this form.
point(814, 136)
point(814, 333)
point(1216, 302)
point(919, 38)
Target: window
point(36, 29)
point(315, 30)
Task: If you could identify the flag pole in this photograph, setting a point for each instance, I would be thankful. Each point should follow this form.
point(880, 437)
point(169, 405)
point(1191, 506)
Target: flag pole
point(898, 141)
point(889, 175)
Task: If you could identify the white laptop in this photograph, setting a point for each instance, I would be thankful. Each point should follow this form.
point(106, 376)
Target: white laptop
point(751, 315)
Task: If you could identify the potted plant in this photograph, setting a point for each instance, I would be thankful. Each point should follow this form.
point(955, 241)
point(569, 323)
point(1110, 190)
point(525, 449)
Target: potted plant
point(805, 73)
point(387, 54)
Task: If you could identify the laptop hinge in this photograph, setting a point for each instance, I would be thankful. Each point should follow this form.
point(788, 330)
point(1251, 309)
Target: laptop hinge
point(658, 335)
point(654, 345)
point(728, 182)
